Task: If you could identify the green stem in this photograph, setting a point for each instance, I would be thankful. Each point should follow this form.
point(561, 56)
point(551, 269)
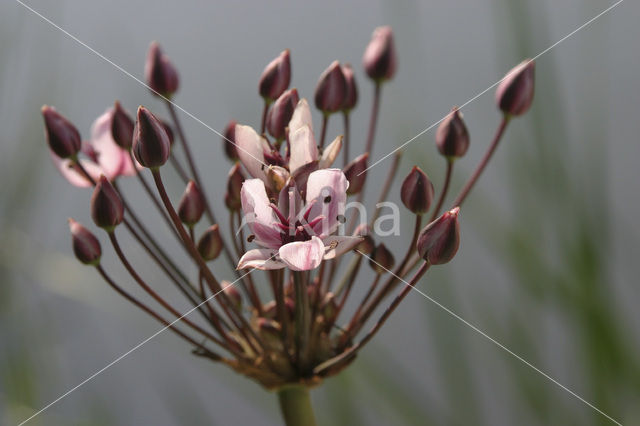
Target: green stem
point(296, 407)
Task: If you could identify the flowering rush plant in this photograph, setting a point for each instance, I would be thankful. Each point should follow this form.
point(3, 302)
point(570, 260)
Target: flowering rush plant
point(283, 319)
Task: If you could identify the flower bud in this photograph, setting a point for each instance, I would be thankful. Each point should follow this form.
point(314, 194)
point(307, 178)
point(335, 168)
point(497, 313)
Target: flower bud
point(438, 242)
point(167, 128)
point(210, 244)
point(229, 140)
point(452, 138)
point(281, 112)
point(191, 205)
point(275, 77)
point(331, 89)
point(151, 145)
point(277, 177)
point(161, 75)
point(85, 245)
point(121, 127)
point(381, 259)
point(515, 92)
point(107, 209)
point(62, 136)
point(234, 186)
point(367, 245)
point(232, 293)
point(379, 58)
point(356, 174)
point(351, 95)
point(417, 191)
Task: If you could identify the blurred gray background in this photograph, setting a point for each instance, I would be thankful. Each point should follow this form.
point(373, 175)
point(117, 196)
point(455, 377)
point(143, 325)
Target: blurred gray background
point(548, 263)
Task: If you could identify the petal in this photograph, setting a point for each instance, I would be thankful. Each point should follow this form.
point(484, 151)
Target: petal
point(330, 153)
point(303, 148)
point(72, 175)
point(257, 213)
point(260, 259)
point(251, 148)
point(301, 117)
point(113, 160)
point(328, 187)
point(336, 245)
point(303, 255)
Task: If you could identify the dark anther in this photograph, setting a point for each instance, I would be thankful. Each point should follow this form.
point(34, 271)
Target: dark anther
point(327, 199)
point(341, 218)
point(250, 238)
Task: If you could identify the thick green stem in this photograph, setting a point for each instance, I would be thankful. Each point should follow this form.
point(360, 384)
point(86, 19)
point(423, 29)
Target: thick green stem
point(295, 404)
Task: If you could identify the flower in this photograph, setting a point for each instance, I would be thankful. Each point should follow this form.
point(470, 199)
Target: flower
point(257, 155)
point(296, 235)
point(102, 156)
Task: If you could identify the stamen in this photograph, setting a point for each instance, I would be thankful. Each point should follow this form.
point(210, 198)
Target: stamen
point(250, 238)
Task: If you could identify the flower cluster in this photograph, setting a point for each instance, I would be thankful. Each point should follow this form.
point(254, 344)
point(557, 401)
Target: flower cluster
point(287, 323)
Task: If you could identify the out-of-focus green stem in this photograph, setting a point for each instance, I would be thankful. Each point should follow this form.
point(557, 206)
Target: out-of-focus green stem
point(295, 404)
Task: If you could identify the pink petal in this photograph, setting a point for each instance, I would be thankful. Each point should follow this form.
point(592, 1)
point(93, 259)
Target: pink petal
point(251, 148)
point(336, 245)
point(330, 153)
point(258, 215)
point(303, 255)
point(328, 187)
point(303, 148)
point(301, 117)
point(114, 160)
point(72, 175)
point(260, 259)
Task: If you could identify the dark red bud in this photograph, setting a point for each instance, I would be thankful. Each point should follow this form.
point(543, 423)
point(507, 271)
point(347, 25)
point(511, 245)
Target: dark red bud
point(356, 174)
point(232, 293)
point(62, 136)
point(276, 77)
point(417, 191)
point(121, 127)
point(367, 245)
point(515, 92)
point(229, 141)
point(151, 145)
point(210, 244)
point(331, 89)
point(234, 186)
point(281, 112)
point(381, 259)
point(438, 242)
point(191, 205)
point(452, 138)
point(167, 128)
point(379, 58)
point(351, 96)
point(85, 245)
point(161, 75)
point(107, 209)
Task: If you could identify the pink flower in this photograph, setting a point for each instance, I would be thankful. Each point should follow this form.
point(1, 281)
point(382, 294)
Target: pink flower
point(102, 156)
point(294, 234)
point(257, 155)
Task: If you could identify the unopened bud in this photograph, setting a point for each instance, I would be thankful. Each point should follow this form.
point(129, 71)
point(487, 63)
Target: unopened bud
point(356, 174)
point(191, 205)
point(452, 138)
point(232, 293)
point(381, 259)
point(210, 244)
point(85, 245)
point(351, 96)
point(277, 177)
point(167, 128)
point(367, 245)
point(121, 127)
point(438, 242)
point(161, 75)
point(515, 92)
point(234, 186)
point(281, 112)
point(276, 77)
point(107, 209)
point(62, 136)
point(379, 58)
point(229, 141)
point(417, 191)
point(331, 89)
point(151, 145)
